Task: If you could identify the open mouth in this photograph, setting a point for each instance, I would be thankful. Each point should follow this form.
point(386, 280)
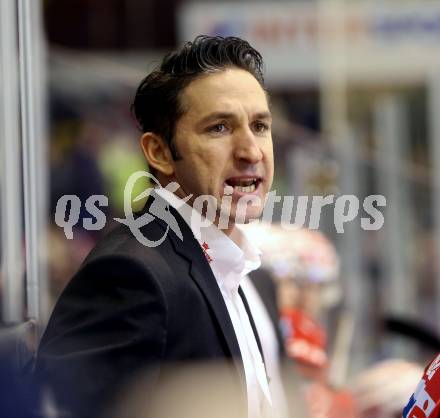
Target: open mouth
point(244, 184)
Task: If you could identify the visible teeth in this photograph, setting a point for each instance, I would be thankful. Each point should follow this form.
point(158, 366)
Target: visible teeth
point(245, 189)
point(247, 183)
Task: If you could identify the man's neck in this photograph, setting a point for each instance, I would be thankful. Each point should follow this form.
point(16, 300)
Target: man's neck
point(230, 230)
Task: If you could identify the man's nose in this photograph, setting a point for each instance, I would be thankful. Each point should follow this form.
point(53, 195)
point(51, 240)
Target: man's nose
point(247, 148)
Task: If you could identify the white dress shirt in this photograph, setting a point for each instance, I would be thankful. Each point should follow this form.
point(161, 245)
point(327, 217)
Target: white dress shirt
point(230, 264)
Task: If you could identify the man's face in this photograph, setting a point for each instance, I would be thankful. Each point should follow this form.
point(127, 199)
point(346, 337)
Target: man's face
point(224, 139)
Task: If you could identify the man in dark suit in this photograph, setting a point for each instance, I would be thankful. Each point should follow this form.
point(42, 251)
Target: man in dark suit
point(132, 308)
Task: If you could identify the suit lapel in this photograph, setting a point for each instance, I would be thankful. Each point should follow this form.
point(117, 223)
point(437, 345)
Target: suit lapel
point(251, 320)
point(201, 273)
point(266, 290)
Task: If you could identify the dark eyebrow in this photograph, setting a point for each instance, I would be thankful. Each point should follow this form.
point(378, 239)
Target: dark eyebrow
point(216, 116)
point(263, 115)
point(230, 115)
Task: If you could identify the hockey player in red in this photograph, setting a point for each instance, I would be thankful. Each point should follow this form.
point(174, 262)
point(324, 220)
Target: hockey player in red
point(425, 402)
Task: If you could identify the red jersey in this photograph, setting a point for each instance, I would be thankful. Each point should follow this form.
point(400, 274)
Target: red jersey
point(425, 402)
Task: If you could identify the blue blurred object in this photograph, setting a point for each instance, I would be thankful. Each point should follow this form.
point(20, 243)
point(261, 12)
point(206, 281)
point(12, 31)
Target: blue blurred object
point(19, 393)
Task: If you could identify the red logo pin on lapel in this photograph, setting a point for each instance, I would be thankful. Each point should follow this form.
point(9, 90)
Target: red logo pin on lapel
point(205, 248)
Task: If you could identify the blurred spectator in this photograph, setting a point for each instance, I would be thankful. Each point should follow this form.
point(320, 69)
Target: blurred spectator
point(74, 165)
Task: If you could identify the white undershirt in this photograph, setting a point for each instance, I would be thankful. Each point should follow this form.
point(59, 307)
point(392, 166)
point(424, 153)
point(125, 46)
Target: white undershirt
point(230, 264)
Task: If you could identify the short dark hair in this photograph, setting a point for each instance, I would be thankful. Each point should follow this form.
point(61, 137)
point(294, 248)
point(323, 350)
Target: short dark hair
point(157, 106)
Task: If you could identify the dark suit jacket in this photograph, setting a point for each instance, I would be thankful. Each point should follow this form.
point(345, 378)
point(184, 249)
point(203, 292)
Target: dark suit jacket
point(266, 288)
point(132, 308)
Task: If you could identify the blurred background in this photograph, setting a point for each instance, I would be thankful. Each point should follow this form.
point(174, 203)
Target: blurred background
point(355, 93)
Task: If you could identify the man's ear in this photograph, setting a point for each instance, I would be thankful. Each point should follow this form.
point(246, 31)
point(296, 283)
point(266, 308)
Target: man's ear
point(157, 153)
